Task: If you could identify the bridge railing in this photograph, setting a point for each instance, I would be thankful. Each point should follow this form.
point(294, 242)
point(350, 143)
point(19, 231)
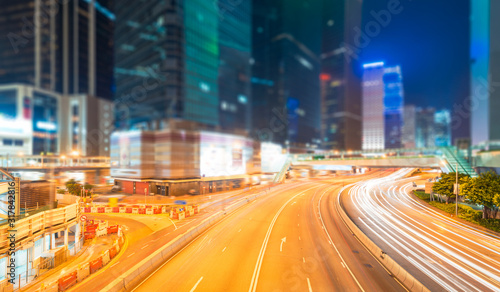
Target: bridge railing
point(40, 161)
point(38, 223)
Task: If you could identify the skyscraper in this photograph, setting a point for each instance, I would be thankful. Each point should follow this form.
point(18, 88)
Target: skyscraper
point(62, 46)
point(383, 101)
point(425, 132)
point(340, 76)
point(409, 126)
point(485, 71)
point(442, 128)
point(235, 47)
point(285, 73)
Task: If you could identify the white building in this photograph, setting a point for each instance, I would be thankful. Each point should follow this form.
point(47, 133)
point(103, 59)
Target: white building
point(35, 121)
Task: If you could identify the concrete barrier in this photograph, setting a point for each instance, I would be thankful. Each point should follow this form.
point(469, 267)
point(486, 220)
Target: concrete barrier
point(392, 266)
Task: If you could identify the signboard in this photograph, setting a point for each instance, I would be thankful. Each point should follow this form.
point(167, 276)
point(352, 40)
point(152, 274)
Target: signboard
point(83, 218)
point(180, 202)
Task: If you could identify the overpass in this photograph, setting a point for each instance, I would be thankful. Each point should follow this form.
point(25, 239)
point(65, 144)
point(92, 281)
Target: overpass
point(53, 163)
point(448, 159)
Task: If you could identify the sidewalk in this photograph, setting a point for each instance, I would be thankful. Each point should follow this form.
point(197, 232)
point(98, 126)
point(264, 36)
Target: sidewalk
point(90, 251)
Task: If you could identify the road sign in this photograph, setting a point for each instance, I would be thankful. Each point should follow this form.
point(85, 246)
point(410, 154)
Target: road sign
point(180, 202)
point(83, 218)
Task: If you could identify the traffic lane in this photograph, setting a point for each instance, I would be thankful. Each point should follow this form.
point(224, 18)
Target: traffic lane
point(299, 256)
point(140, 246)
point(226, 255)
point(368, 272)
point(411, 246)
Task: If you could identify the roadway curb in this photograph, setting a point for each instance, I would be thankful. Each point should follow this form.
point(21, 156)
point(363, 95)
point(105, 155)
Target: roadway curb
point(131, 278)
point(405, 278)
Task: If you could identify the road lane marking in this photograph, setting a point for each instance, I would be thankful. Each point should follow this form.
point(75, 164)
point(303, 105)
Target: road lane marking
point(131, 254)
point(303, 259)
point(115, 264)
point(166, 234)
point(239, 230)
point(298, 224)
point(224, 249)
point(281, 245)
point(342, 264)
point(145, 246)
point(173, 223)
point(309, 285)
point(299, 237)
point(258, 264)
point(196, 285)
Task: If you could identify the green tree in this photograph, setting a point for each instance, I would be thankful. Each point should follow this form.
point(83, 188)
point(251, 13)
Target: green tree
point(444, 186)
point(73, 187)
point(484, 190)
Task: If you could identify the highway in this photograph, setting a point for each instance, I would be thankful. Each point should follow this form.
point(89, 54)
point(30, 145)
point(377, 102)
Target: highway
point(289, 240)
point(144, 236)
point(442, 253)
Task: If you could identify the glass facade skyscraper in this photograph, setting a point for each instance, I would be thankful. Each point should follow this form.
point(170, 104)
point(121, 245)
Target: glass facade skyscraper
point(69, 50)
point(340, 76)
point(485, 70)
point(182, 59)
point(285, 73)
point(383, 102)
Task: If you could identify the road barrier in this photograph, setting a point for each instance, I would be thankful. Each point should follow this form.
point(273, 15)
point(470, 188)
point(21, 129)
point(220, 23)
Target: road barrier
point(133, 276)
point(67, 281)
point(392, 266)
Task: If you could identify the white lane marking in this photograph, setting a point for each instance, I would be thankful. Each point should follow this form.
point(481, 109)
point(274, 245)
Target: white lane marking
point(292, 203)
point(342, 264)
point(298, 224)
point(131, 254)
point(303, 259)
point(330, 238)
point(115, 264)
point(309, 285)
point(258, 264)
point(299, 237)
point(173, 223)
point(145, 246)
point(166, 234)
point(196, 285)
point(224, 249)
point(281, 245)
point(239, 230)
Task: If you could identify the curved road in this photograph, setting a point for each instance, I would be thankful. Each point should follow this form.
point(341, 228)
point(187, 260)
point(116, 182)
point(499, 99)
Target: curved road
point(442, 253)
point(292, 240)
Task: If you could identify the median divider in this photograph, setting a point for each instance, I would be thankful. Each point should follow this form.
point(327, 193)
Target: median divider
point(407, 280)
point(133, 277)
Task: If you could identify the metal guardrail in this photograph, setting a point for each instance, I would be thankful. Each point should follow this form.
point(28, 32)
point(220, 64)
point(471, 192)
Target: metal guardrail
point(41, 161)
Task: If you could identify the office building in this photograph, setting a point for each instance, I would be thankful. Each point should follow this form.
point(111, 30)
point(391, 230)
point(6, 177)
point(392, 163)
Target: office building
point(442, 128)
point(235, 47)
point(383, 101)
point(32, 119)
point(69, 50)
point(485, 71)
point(340, 76)
point(425, 132)
point(409, 126)
point(286, 44)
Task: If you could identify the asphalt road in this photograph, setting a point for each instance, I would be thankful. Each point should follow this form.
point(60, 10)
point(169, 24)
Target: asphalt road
point(443, 253)
point(290, 240)
point(142, 239)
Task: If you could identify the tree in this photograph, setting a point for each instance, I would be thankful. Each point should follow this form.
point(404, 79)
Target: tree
point(444, 186)
point(73, 187)
point(484, 190)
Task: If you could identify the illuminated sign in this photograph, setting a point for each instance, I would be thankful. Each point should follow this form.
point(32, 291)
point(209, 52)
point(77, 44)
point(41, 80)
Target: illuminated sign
point(48, 126)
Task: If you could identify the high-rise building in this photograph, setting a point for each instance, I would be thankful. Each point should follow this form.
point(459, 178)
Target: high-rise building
point(286, 44)
point(340, 76)
point(61, 46)
point(383, 101)
point(485, 70)
point(425, 132)
point(442, 128)
point(235, 46)
point(183, 59)
point(409, 126)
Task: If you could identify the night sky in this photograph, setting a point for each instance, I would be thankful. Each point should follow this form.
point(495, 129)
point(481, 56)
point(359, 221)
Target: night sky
point(430, 40)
